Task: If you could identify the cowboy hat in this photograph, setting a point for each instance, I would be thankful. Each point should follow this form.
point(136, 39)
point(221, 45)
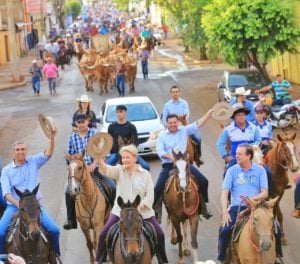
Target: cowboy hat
point(99, 145)
point(241, 91)
point(47, 124)
point(34, 61)
point(239, 108)
point(84, 99)
point(222, 111)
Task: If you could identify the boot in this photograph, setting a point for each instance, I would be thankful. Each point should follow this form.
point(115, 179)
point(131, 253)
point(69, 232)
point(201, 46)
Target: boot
point(71, 222)
point(203, 210)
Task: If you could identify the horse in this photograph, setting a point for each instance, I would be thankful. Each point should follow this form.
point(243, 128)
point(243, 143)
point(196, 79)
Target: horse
point(131, 245)
point(182, 202)
point(280, 158)
point(256, 243)
point(27, 238)
point(90, 205)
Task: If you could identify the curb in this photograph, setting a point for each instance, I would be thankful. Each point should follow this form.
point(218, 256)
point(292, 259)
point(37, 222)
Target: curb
point(12, 85)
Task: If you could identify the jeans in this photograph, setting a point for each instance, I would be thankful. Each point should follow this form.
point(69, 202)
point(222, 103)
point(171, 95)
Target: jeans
point(46, 221)
point(114, 157)
point(281, 101)
point(2, 200)
point(120, 83)
point(164, 175)
point(51, 84)
point(145, 68)
point(101, 251)
point(225, 235)
point(297, 195)
point(36, 84)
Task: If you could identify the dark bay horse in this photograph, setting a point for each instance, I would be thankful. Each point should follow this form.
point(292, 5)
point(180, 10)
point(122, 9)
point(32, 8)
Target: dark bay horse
point(256, 243)
point(90, 205)
point(182, 202)
point(281, 158)
point(27, 238)
point(131, 246)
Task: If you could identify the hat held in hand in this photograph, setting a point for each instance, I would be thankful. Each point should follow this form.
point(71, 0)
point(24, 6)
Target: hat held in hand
point(47, 124)
point(99, 145)
point(222, 111)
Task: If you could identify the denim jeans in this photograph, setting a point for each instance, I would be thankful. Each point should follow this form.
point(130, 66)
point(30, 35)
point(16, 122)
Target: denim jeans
point(46, 221)
point(145, 68)
point(36, 84)
point(2, 200)
point(297, 195)
point(120, 83)
point(51, 84)
point(114, 157)
point(281, 101)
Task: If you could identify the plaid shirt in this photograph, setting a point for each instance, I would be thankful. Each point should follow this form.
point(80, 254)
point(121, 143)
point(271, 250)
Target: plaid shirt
point(77, 144)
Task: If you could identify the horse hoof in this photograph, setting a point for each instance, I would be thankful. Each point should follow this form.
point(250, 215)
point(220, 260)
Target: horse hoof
point(173, 241)
point(284, 241)
point(186, 252)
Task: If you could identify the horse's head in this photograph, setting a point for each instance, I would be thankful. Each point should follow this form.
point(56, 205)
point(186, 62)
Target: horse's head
point(258, 156)
point(182, 168)
point(131, 233)
point(76, 175)
point(29, 213)
point(125, 141)
point(288, 151)
point(262, 219)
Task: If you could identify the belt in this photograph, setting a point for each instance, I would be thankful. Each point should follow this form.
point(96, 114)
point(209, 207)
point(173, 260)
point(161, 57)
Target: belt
point(168, 165)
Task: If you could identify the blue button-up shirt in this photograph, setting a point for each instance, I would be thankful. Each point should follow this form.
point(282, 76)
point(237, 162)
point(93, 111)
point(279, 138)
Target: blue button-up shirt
point(167, 141)
point(78, 144)
point(179, 107)
point(265, 130)
point(248, 183)
point(248, 104)
point(22, 176)
point(236, 136)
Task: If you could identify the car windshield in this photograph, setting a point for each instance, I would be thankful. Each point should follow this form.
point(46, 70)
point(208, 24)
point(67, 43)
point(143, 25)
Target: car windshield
point(247, 79)
point(135, 112)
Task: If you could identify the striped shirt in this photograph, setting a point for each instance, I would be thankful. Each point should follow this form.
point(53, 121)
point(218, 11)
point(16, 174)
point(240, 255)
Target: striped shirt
point(78, 144)
point(179, 107)
point(279, 93)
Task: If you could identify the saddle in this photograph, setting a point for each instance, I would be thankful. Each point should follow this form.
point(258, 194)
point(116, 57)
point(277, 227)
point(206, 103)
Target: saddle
point(242, 219)
point(109, 191)
point(113, 234)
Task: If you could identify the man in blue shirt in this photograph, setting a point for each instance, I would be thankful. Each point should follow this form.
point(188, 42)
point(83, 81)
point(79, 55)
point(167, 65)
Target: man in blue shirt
point(175, 138)
point(177, 105)
point(282, 88)
point(247, 179)
point(22, 173)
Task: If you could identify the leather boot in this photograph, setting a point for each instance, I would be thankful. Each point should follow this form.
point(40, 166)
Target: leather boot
point(71, 222)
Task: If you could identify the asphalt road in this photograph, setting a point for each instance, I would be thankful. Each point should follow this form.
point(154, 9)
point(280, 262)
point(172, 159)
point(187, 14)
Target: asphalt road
point(19, 120)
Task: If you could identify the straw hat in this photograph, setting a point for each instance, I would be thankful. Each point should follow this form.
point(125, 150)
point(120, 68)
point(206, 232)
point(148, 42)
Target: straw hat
point(222, 111)
point(84, 99)
point(47, 124)
point(239, 108)
point(241, 91)
point(99, 145)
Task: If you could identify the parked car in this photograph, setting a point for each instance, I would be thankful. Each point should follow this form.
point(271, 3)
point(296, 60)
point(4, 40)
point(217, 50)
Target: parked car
point(250, 79)
point(142, 113)
point(158, 36)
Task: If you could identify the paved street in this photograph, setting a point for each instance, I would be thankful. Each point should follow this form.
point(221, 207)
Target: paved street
point(19, 120)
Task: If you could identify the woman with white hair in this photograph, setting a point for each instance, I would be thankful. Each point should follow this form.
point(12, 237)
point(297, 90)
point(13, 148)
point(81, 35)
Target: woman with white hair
point(132, 180)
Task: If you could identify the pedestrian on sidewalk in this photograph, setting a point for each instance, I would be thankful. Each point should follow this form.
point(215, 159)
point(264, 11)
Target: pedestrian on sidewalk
point(50, 71)
point(37, 76)
point(144, 59)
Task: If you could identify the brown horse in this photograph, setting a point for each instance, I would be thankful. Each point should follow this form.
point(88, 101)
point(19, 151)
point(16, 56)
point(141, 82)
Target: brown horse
point(182, 202)
point(27, 237)
point(131, 246)
point(280, 158)
point(256, 243)
point(91, 208)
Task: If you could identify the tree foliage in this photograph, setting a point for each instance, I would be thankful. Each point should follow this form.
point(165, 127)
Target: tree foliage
point(256, 30)
point(74, 7)
point(122, 4)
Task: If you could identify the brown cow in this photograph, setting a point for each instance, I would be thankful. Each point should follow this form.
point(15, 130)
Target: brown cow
point(130, 75)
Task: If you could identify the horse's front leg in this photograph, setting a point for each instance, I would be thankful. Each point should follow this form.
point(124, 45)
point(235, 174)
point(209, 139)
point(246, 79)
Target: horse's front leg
point(89, 243)
point(185, 242)
point(280, 220)
point(194, 231)
point(179, 240)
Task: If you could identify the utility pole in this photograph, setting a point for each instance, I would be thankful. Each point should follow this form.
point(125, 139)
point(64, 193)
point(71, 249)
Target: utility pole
point(12, 40)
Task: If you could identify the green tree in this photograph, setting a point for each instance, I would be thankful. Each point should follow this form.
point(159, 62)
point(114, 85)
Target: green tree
point(122, 4)
point(73, 6)
point(253, 30)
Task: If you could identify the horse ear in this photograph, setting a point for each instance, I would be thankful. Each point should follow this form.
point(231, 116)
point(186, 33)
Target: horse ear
point(185, 155)
point(68, 157)
point(252, 202)
point(35, 190)
point(174, 153)
point(18, 192)
point(120, 202)
point(272, 202)
point(279, 137)
point(136, 201)
point(294, 136)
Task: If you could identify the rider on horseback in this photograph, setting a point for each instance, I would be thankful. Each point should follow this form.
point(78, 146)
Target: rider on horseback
point(175, 138)
point(22, 173)
point(180, 107)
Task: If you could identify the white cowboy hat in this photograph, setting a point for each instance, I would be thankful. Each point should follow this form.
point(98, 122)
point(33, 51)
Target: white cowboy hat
point(241, 91)
point(99, 145)
point(222, 111)
point(34, 61)
point(84, 99)
point(47, 124)
point(238, 108)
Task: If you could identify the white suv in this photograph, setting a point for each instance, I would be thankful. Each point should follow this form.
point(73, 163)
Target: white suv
point(142, 113)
